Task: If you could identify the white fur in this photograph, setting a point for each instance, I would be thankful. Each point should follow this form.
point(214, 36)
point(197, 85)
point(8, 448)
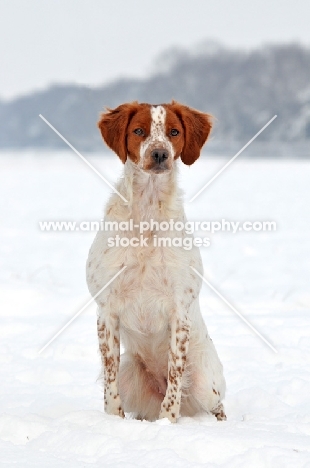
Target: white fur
point(170, 366)
point(157, 132)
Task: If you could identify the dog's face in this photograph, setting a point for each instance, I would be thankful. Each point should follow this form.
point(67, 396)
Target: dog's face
point(153, 136)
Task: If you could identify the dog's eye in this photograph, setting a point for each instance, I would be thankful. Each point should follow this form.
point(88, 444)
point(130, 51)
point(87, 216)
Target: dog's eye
point(174, 132)
point(139, 131)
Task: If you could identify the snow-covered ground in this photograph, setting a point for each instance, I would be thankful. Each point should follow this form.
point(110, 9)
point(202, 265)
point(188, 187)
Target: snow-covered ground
point(51, 405)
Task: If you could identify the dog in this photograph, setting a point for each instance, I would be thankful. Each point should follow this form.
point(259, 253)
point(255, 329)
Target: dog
point(170, 367)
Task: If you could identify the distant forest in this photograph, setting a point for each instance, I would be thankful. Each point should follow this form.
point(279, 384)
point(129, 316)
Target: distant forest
point(242, 89)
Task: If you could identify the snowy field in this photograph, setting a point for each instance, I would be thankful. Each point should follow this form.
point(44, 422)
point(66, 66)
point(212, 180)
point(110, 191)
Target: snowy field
point(51, 405)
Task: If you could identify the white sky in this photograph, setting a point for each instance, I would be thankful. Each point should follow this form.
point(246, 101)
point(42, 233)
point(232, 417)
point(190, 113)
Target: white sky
point(95, 41)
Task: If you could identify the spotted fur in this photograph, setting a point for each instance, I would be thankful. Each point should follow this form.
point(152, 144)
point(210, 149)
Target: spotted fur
point(170, 367)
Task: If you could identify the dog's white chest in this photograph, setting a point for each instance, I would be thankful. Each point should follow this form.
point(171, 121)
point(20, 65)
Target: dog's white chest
point(142, 296)
point(147, 292)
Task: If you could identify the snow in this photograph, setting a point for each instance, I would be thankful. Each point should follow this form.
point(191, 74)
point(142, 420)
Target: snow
point(51, 405)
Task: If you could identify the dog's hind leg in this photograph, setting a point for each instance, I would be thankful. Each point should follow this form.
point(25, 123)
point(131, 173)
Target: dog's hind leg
point(139, 389)
point(219, 412)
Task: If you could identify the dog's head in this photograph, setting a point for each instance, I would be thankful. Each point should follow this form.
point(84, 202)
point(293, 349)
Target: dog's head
point(153, 136)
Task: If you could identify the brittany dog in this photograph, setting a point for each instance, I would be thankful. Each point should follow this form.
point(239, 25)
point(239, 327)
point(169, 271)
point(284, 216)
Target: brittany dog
point(170, 367)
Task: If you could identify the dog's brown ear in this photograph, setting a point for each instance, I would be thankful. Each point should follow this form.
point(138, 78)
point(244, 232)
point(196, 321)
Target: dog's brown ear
point(113, 126)
point(197, 127)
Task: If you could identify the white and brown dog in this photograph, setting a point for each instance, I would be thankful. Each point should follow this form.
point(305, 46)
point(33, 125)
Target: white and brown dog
point(170, 367)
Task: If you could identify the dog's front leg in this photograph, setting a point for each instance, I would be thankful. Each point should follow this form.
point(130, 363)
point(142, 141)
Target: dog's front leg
point(179, 341)
point(109, 344)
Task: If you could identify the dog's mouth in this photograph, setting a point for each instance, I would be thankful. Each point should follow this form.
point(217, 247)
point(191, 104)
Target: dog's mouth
point(159, 169)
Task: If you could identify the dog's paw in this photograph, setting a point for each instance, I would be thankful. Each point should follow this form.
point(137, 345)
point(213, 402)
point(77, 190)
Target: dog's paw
point(170, 415)
point(114, 406)
point(219, 412)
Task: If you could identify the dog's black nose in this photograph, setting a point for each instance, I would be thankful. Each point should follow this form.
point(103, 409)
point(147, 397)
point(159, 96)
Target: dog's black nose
point(159, 155)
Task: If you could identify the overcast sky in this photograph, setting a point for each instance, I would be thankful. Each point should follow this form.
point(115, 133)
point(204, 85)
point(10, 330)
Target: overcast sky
point(95, 41)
